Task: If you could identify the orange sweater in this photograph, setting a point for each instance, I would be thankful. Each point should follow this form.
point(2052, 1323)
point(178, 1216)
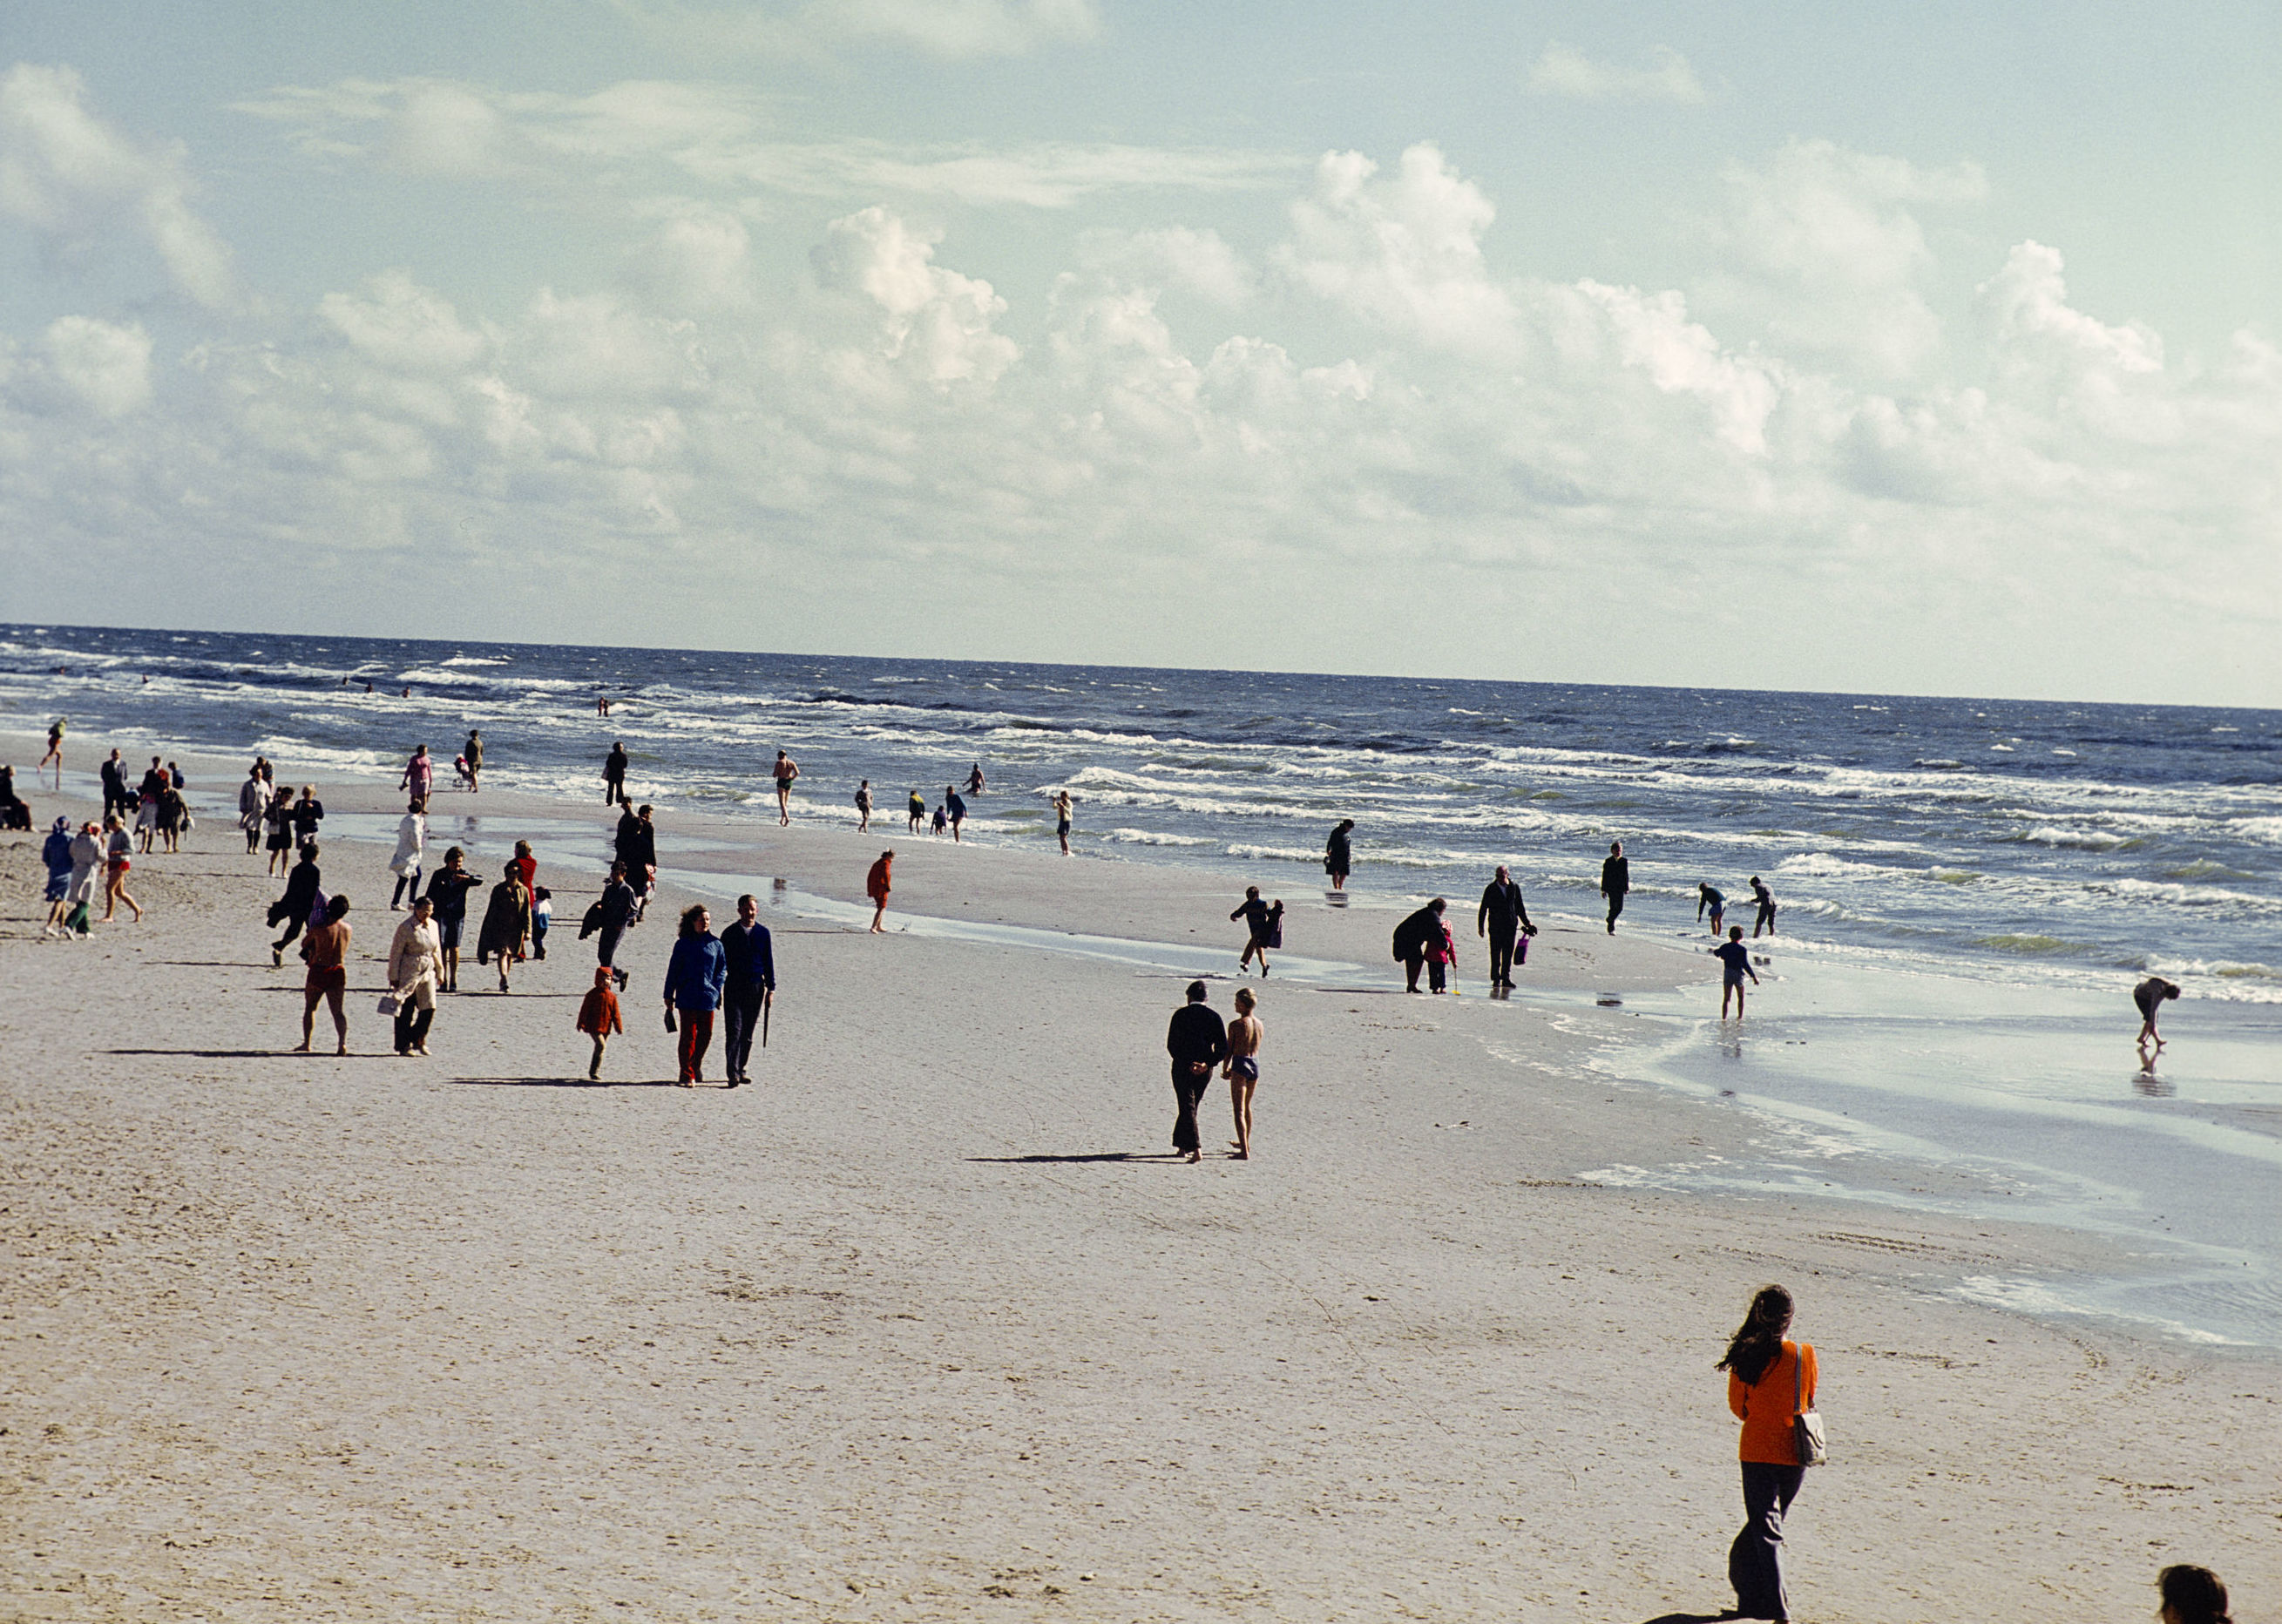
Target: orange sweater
point(1767, 1407)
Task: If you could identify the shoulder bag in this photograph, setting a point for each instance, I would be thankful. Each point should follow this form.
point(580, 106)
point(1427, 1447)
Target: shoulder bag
point(1807, 1425)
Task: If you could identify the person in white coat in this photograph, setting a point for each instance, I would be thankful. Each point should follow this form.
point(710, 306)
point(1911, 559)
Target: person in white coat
point(411, 843)
point(253, 801)
point(415, 967)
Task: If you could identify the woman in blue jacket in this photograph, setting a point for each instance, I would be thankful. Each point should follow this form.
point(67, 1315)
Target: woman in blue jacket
point(693, 989)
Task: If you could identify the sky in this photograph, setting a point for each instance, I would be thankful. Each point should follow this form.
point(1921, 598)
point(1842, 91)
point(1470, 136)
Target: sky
point(1930, 349)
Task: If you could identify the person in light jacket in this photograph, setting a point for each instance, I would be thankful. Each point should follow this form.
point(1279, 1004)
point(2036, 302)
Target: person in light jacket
point(411, 845)
point(506, 922)
point(694, 979)
point(415, 970)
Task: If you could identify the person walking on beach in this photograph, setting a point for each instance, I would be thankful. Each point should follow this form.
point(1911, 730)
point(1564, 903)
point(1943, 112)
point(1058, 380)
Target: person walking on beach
point(87, 873)
point(748, 986)
point(1062, 819)
point(506, 921)
point(56, 853)
point(1338, 853)
point(415, 971)
point(787, 770)
point(173, 815)
point(1263, 927)
point(694, 977)
point(1503, 917)
point(1412, 937)
point(1735, 964)
point(419, 779)
point(278, 820)
point(1770, 1382)
point(117, 857)
point(472, 754)
point(253, 801)
point(325, 951)
point(864, 807)
point(55, 753)
point(411, 845)
point(299, 902)
point(613, 772)
point(615, 914)
point(877, 885)
point(309, 813)
point(956, 808)
point(637, 849)
point(1709, 897)
point(113, 775)
point(1243, 1068)
point(2149, 995)
point(1765, 898)
point(447, 898)
point(599, 1017)
point(1616, 880)
point(1198, 1042)
point(2190, 1595)
point(918, 811)
point(155, 783)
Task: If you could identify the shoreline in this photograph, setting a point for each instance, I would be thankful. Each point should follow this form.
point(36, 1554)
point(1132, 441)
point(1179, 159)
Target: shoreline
point(925, 1326)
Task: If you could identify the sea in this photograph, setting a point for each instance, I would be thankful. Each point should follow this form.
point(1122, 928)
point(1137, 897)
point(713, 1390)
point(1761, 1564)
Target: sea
point(1968, 889)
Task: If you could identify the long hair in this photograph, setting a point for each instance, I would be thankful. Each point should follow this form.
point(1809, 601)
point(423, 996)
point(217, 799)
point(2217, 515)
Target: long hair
point(690, 920)
point(1759, 1344)
point(2195, 1595)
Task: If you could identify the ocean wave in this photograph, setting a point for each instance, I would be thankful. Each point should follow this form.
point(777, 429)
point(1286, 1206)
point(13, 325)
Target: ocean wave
point(1155, 837)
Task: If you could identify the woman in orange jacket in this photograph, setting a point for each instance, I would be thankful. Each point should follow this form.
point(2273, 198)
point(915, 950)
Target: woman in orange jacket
point(875, 887)
point(1769, 1381)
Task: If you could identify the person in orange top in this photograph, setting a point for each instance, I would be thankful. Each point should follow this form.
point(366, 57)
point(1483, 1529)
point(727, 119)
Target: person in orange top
point(875, 887)
point(598, 1015)
point(1769, 1381)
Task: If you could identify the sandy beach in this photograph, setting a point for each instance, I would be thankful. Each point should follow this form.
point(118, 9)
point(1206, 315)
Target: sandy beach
point(929, 1325)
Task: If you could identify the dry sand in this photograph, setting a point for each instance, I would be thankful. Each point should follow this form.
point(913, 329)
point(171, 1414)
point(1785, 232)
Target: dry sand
point(928, 1324)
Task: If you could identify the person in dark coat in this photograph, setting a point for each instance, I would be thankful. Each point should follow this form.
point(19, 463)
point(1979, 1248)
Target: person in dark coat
point(506, 922)
point(620, 906)
point(1616, 880)
point(748, 984)
point(1338, 854)
point(614, 774)
point(114, 785)
point(1413, 937)
point(300, 897)
point(1501, 917)
point(638, 850)
point(1198, 1042)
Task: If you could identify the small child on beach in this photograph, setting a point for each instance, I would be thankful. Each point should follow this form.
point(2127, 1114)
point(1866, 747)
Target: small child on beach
point(542, 915)
point(942, 820)
point(598, 1016)
point(1735, 963)
point(1441, 955)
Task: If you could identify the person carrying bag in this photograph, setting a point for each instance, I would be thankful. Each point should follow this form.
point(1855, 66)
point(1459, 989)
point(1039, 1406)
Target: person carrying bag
point(1779, 1442)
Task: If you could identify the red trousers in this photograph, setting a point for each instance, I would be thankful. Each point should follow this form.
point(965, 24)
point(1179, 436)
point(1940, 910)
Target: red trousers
point(697, 1038)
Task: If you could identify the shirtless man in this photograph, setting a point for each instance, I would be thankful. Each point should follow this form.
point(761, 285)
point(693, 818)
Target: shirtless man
point(1062, 819)
point(55, 753)
point(787, 769)
point(1243, 1068)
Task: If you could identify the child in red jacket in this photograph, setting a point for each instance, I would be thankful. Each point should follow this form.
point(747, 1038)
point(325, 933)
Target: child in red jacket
point(599, 1015)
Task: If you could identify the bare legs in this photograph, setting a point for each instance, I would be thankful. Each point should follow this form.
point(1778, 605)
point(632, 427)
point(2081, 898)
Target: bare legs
point(1239, 1094)
point(310, 998)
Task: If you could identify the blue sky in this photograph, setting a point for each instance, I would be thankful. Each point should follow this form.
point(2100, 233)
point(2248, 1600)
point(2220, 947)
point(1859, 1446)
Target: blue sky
point(1924, 349)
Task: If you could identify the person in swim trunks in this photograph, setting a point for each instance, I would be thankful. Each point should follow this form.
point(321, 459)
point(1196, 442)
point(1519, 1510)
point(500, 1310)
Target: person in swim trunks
point(1736, 963)
point(1708, 896)
point(1243, 1068)
point(325, 949)
point(2149, 995)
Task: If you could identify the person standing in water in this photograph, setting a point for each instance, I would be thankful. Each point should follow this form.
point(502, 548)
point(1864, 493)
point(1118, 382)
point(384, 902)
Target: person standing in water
point(1501, 917)
point(1735, 964)
point(1616, 880)
point(2149, 995)
point(325, 951)
point(613, 772)
point(1243, 1068)
point(748, 985)
point(864, 807)
point(1708, 896)
point(1062, 819)
point(918, 811)
point(974, 779)
point(1198, 1042)
point(1765, 898)
point(1769, 1382)
point(472, 753)
point(1338, 853)
point(876, 886)
point(956, 808)
point(787, 770)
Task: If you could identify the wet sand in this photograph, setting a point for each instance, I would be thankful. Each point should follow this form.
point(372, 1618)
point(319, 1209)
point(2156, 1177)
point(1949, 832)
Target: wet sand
point(928, 1324)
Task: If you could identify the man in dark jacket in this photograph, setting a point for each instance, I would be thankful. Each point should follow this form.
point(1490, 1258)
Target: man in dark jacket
point(638, 850)
point(301, 887)
point(1501, 917)
point(618, 907)
point(1198, 1042)
point(114, 785)
point(1616, 880)
point(614, 775)
point(748, 985)
point(1411, 938)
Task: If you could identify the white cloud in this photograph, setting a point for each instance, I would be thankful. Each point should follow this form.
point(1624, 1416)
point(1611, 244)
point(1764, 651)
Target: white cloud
point(1565, 71)
point(1176, 257)
point(701, 259)
point(72, 174)
point(106, 366)
point(403, 326)
point(937, 320)
point(949, 29)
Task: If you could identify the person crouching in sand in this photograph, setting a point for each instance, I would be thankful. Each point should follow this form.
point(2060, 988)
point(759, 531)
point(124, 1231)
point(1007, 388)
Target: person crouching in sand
point(599, 1017)
point(1243, 1068)
point(1198, 1042)
point(876, 887)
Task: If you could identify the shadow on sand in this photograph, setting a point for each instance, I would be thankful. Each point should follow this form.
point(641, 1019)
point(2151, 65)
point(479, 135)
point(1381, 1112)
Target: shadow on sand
point(1099, 1155)
point(571, 1082)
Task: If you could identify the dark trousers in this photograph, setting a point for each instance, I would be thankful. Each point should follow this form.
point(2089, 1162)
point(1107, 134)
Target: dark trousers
point(1766, 918)
point(697, 1038)
point(740, 1018)
point(412, 1025)
point(1188, 1093)
point(1502, 937)
point(1755, 1560)
point(1410, 968)
point(1438, 976)
point(1616, 906)
point(292, 929)
point(606, 944)
point(410, 878)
